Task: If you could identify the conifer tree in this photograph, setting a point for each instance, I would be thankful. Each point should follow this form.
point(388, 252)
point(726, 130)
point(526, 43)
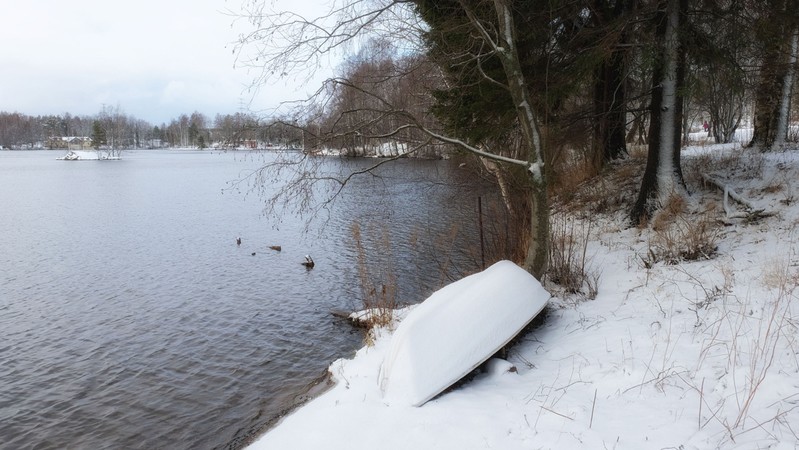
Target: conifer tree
point(663, 174)
point(776, 28)
point(98, 135)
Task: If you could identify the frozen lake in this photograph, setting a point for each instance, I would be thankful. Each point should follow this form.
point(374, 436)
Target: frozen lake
point(129, 317)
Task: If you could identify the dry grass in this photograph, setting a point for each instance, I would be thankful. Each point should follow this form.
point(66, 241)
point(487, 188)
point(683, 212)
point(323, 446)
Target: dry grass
point(608, 192)
point(378, 282)
point(773, 187)
point(505, 235)
point(740, 163)
point(568, 259)
point(569, 175)
point(682, 237)
point(749, 336)
point(673, 208)
point(638, 152)
point(777, 275)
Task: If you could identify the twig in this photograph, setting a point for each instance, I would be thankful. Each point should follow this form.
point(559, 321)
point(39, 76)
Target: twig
point(556, 413)
point(701, 399)
point(593, 405)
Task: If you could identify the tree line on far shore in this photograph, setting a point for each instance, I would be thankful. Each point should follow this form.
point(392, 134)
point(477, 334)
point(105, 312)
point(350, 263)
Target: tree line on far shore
point(113, 128)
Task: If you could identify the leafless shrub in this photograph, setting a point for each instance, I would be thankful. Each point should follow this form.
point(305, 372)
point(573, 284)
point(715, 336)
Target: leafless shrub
point(568, 260)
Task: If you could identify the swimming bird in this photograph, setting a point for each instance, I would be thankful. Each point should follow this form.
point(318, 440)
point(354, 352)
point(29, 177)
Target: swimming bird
point(238, 241)
point(276, 248)
point(308, 263)
point(253, 254)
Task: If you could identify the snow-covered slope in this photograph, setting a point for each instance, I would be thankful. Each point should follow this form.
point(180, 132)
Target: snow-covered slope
point(693, 356)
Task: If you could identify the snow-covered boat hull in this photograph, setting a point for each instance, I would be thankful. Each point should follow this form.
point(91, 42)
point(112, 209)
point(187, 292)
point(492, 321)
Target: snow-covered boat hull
point(456, 329)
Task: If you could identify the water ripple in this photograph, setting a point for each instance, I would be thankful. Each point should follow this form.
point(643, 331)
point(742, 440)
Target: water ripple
point(130, 319)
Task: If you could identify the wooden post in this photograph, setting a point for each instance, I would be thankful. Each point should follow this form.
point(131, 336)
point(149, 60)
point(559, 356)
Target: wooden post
point(482, 240)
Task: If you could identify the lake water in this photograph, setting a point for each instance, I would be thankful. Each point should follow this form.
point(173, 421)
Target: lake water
point(129, 317)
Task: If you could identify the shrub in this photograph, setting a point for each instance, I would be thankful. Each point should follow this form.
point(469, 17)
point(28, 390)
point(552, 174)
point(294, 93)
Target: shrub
point(682, 237)
point(568, 261)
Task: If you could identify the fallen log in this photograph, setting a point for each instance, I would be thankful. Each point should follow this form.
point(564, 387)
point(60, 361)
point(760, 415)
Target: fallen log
point(752, 212)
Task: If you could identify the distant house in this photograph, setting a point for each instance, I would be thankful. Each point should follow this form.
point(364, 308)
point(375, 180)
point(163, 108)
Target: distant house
point(78, 142)
point(69, 142)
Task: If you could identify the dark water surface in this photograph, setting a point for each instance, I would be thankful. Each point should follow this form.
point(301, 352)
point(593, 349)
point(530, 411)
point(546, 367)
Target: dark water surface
point(129, 318)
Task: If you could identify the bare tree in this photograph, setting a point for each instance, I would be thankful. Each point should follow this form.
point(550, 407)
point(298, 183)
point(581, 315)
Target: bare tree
point(116, 126)
point(301, 41)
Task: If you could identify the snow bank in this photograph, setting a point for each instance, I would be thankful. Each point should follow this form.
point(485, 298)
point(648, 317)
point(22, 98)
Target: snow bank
point(457, 329)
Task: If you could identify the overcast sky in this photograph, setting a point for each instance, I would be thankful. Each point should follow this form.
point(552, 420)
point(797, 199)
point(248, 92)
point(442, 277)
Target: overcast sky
point(155, 59)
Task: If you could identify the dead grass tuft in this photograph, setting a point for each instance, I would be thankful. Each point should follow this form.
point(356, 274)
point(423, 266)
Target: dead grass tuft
point(773, 188)
point(738, 162)
point(638, 152)
point(683, 237)
point(777, 274)
point(673, 208)
point(568, 261)
point(570, 174)
point(378, 282)
point(609, 191)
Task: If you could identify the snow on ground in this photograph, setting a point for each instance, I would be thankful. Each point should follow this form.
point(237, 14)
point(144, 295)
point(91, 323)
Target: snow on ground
point(695, 355)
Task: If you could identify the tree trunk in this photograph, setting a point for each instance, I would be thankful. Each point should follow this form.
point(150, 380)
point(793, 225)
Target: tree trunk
point(663, 174)
point(773, 90)
point(537, 258)
point(610, 100)
point(609, 109)
point(787, 90)
point(637, 133)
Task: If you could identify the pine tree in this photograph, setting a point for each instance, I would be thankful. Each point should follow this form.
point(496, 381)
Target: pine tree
point(98, 135)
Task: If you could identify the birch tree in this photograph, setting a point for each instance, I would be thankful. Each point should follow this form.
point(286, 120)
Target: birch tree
point(502, 41)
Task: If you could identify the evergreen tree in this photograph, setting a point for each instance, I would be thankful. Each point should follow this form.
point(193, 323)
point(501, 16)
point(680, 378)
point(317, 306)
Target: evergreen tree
point(663, 173)
point(776, 33)
point(98, 135)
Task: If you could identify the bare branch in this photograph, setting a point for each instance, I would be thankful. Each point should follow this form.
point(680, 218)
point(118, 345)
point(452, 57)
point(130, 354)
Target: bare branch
point(286, 43)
